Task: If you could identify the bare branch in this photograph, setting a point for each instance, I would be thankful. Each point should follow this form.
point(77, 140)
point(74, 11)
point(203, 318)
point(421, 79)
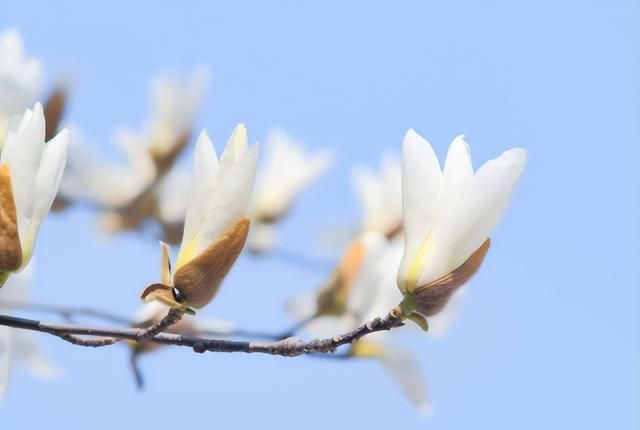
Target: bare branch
point(69, 312)
point(289, 347)
point(94, 343)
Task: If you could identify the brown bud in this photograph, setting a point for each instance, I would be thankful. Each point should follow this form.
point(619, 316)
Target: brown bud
point(10, 248)
point(53, 111)
point(332, 297)
point(199, 280)
point(431, 298)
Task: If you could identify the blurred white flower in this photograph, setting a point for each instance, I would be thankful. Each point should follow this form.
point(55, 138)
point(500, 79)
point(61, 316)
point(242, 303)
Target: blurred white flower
point(20, 78)
point(110, 185)
point(373, 294)
point(216, 224)
point(30, 173)
point(20, 346)
point(148, 154)
point(380, 196)
point(287, 172)
point(175, 102)
point(173, 193)
point(448, 217)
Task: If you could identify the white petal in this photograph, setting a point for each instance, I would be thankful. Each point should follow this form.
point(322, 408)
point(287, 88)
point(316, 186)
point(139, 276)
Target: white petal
point(407, 374)
point(287, 172)
point(387, 296)
point(174, 102)
point(112, 185)
point(465, 225)
point(380, 194)
point(230, 200)
point(5, 359)
point(22, 151)
point(26, 351)
point(366, 285)
point(421, 190)
point(54, 159)
point(20, 77)
point(236, 146)
point(150, 310)
point(173, 194)
point(203, 182)
point(457, 171)
point(134, 148)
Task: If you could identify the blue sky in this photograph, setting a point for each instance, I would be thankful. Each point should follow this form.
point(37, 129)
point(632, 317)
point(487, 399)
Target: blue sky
point(549, 335)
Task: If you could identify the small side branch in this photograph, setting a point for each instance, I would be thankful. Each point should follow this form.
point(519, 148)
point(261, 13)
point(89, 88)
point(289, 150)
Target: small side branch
point(172, 317)
point(290, 347)
point(69, 313)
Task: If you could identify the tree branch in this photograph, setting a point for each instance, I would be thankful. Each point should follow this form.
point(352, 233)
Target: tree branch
point(69, 312)
point(290, 347)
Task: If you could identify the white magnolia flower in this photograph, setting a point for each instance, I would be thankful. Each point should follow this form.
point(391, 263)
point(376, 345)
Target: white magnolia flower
point(30, 171)
point(449, 215)
point(216, 224)
point(148, 154)
point(20, 78)
point(287, 172)
point(380, 196)
point(173, 193)
point(20, 346)
point(175, 102)
point(110, 185)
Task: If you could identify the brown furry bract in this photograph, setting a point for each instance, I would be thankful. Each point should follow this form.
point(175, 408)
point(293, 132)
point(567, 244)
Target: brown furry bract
point(10, 248)
point(431, 298)
point(200, 279)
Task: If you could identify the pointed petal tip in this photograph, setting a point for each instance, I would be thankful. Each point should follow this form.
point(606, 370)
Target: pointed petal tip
point(62, 137)
point(517, 155)
point(461, 138)
point(204, 136)
point(412, 137)
point(460, 141)
point(411, 134)
point(520, 152)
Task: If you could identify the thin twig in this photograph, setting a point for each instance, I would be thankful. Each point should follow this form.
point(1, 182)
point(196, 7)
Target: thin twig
point(68, 312)
point(172, 317)
point(289, 347)
point(309, 263)
point(93, 343)
point(135, 368)
point(299, 325)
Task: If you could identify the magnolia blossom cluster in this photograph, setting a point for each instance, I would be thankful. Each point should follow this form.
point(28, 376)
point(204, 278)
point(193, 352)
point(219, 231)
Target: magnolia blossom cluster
point(447, 216)
point(425, 229)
